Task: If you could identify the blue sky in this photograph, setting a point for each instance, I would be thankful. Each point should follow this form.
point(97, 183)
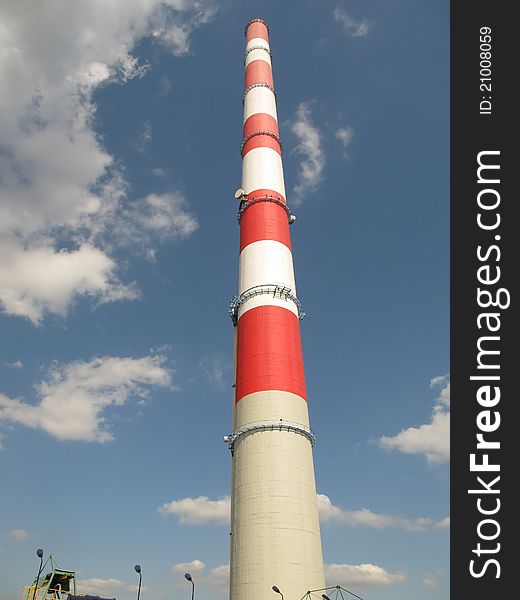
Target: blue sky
point(121, 128)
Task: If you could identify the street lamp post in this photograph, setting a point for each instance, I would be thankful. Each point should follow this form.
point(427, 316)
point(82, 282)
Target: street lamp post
point(277, 590)
point(138, 570)
point(39, 554)
point(190, 579)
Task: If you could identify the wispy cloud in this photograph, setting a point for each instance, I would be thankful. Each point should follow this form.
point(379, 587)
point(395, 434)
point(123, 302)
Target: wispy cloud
point(344, 135)
point(351, 26)
point(361, 577)
point(431, 439)
point(19, 535)
point(215, 369)
point(156, 218)
point(146, 136)
point(175, 32)
point(74, 397)
point(106, 587)
point(72, 195)
point(202, 511)
point(364, 517)
point(432, 579)
point(17, 364)
point(309, 147)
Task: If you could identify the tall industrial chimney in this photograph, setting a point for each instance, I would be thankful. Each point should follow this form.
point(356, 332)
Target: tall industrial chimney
point(275, 533)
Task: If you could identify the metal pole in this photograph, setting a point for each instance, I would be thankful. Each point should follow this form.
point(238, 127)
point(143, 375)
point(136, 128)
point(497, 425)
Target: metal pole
point(189, 578)
point(39, 553)
point(138, 570)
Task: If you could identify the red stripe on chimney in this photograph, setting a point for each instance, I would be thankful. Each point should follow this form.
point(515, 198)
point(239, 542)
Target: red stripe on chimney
point(269, 354)
point(257, 29)
point(258, 71)
point(264, 221)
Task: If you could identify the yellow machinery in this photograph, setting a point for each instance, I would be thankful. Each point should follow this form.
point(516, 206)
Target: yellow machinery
point(57, 584)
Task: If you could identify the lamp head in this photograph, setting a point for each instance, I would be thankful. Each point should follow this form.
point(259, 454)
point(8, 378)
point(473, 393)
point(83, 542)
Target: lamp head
point(137, 568)
point(325, 597)
point(39, 553)
point(276, 589)
point(188, 576)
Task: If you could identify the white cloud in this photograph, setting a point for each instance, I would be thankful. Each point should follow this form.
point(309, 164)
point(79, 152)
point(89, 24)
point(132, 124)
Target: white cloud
point(362, 577)
point(17, 364)
point(19, 535)
point(158, 217)
point(175, 33)
point(443, 399)
point(217, 578)
point(127, 67)
point(38, 279)
point(352, 27)
point(199, 511)
point(310, 173)
point(74, 397)
point(432, 580)
point(345, 136)
point(57, 181)
point(431, 439)
point(439, 380)
point(443, 523)
point(364, 517)
point(202, 510)
point(95, 586)
point(164, 216)
point(195, 566)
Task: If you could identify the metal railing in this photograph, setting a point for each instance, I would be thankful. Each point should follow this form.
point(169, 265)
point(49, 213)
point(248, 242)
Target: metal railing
point(255, 85)
point(257, 48)
point(245, 204)
point(277, 290)
point(262, 132)
point(231, 439)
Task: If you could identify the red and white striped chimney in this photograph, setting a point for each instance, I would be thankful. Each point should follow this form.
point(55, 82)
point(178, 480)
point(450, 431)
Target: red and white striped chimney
point(275, 534)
